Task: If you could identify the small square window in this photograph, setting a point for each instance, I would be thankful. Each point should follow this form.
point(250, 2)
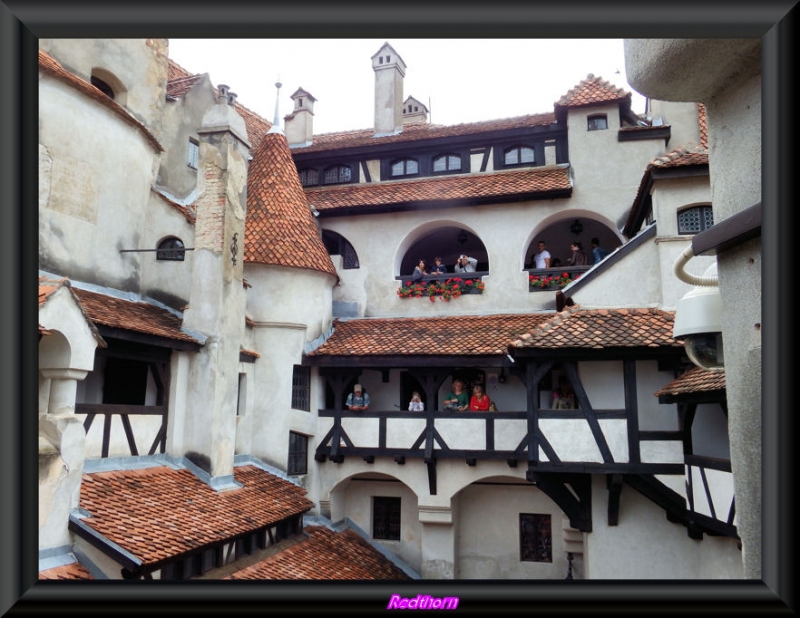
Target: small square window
point(597, 123)
point(193, 155)
point(298, 454)
point(301, 388)
point(386, 518)
point(535, 538)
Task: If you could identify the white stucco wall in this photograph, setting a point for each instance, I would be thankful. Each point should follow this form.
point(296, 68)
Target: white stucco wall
point(89, 210)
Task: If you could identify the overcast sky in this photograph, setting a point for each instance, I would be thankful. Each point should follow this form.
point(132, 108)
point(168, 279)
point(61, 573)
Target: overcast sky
point(460, 80)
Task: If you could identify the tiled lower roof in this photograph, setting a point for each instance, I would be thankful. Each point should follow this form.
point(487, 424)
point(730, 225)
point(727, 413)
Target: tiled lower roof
point(603, 328)
point(325, 555)
point(160, 513)
point(695, 380)
point(74, 570)
point(539, 181)
point(131, 315)
point(464, 335)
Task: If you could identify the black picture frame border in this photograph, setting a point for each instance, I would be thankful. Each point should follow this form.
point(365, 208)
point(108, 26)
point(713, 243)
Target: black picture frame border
point(23, 22)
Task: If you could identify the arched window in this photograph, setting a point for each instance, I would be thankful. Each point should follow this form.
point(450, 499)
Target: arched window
point(404, 167)
point(597, 122)
point(447, 163)
point(695, 219)
point(171, 248)
point(309, 177)
point(337, 174)
point(336, 244)
point(107, 83)
point(518, 155)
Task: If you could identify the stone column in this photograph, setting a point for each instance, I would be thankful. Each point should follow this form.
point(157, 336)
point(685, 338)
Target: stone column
point(438, 542)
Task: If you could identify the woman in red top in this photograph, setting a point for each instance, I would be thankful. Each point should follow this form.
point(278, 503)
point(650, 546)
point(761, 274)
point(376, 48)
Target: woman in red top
point(479, 400)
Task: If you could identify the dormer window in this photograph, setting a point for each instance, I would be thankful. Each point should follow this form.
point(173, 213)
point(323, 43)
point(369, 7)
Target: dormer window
point(447, 163)
point(309, 177)
point(103, 87)
point(404, 167)
point(598, 122)
point(337, 174)
point(172, 249)
point(519, 155)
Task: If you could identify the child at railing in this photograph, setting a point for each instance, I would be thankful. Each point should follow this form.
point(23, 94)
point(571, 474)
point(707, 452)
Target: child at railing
point(416, 405)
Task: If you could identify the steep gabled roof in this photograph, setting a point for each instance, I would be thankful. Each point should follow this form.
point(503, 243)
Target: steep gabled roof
point(593, 91)
point(687, 156)
point(279, 226)
point(540, 182)
point(48, 287)
point(602, 329)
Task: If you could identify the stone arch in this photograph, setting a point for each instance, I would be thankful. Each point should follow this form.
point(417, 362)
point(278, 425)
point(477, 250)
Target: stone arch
point(556, 231)
point(447, 238)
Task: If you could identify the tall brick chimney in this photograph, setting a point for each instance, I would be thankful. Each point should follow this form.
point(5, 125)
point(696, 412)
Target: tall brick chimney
point(216, 301)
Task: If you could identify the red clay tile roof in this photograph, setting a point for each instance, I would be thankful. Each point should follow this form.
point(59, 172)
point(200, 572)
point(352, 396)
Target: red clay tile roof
point(176, 71)
point(421, 131)
point(176, 88)
point(325, 555)
point(137, 316)
point(592, 91)
point(682, 156)
point(49, 65)
point(49, 286)
point(543, 181)
point(249, 353)
point(187, 212)
point(74, 570)
point(279, 226)
point(160, 513)
point(603, 328)
point(463, 335)
point(695, 380)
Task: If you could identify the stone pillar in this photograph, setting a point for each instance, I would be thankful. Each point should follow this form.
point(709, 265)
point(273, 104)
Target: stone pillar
point(438, 542)
point(63, 386)
point(216, 301)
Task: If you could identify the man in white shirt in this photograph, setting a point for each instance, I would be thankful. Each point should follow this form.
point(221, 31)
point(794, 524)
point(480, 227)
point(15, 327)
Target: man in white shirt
point(542, 259)
point(465, 264)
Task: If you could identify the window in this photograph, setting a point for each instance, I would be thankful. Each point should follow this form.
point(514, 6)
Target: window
point(404, 167)
point(386, 518)
point(447, 163)
point(597, 122)
point(298, 453)
point(102, 87)
point(518, 155)
point(171, 249)
point(695, 219)
point(241, 395)
point(309, 177)
point(337, 174)
point(301, 388)
point(193, 154)
point(336, 244)
point(535, 538)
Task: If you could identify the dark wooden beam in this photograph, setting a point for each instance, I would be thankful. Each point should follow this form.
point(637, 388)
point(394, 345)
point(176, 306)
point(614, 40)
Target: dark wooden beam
point(731, 232)
point(614, 484)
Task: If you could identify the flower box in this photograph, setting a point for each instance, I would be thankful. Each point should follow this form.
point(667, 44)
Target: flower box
point(447, 290)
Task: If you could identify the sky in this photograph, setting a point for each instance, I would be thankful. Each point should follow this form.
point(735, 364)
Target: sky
point(459, 80)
